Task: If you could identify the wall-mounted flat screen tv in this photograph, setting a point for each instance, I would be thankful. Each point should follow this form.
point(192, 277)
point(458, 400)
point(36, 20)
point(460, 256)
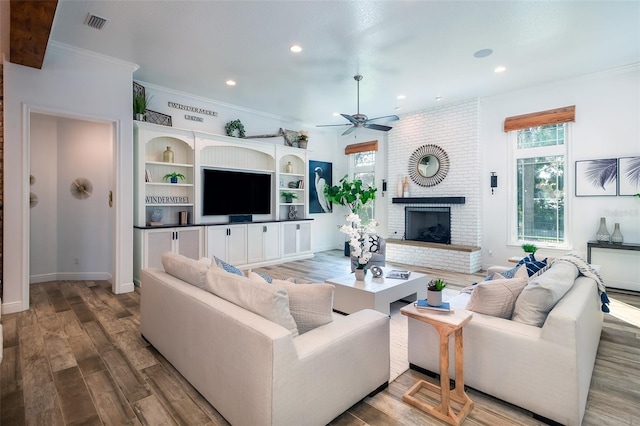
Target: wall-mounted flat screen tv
point(227, 192)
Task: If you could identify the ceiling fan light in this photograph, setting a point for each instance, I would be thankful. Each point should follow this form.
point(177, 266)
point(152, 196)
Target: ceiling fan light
point(295, 48)
point(231, 83)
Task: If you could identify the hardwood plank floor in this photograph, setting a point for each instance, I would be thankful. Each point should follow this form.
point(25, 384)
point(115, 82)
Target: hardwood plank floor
point(76, 357)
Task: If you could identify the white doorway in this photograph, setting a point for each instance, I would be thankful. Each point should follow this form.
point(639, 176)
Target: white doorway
point(71, 232)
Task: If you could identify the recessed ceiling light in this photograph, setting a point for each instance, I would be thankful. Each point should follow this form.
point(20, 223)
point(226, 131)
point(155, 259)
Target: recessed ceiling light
point(336, 114)
point(483, 53)
point(500, 69)
point(295, 48)
point(231, 83)
point(397, 108)
point(438, 98)
point(401, 96)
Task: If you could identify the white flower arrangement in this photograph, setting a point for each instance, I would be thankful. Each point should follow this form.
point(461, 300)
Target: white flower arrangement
point(303, 135)
point(359, 237)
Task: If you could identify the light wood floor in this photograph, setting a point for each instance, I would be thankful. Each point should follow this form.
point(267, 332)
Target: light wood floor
point(76, 357)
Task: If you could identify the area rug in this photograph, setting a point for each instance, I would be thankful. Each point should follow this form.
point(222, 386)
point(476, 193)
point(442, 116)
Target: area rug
point(399, 337)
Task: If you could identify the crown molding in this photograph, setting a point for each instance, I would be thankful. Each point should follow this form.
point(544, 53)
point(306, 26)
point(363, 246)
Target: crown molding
point(72, 51)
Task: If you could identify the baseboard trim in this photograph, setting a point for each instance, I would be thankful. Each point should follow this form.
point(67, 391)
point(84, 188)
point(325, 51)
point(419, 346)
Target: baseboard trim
point(379, 389)
point(70, 276)
point(12, 307)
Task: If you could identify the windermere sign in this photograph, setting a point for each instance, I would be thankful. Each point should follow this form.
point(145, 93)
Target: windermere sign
point(192, 109)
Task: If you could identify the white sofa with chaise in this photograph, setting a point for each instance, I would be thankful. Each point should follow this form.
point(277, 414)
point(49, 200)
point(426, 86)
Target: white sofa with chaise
point(254, 371)
point(546, 370)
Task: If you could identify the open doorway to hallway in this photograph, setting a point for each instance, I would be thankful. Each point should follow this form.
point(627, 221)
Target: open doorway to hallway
point(71, 233)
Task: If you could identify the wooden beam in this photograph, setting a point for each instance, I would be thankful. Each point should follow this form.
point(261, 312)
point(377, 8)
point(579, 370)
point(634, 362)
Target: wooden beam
point(542, 118)
point(30, 27)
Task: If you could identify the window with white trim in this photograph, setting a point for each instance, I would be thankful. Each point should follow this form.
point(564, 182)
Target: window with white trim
point(363, 168)
point(538, 177)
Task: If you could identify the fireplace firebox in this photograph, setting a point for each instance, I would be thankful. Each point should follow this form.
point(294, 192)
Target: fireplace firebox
point(429, 224)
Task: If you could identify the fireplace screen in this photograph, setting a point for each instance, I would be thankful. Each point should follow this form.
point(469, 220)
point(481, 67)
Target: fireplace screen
point(430, 224)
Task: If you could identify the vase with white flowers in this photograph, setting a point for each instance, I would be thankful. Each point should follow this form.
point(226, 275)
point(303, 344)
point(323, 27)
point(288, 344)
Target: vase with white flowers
point(359, 236)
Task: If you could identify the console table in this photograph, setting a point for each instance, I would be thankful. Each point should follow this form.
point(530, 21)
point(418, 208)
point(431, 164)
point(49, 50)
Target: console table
point(611, 246)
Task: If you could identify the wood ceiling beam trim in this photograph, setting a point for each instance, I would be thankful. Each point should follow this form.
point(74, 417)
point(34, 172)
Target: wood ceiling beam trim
point(30, 27)
point(541, 118)
point(361, 147)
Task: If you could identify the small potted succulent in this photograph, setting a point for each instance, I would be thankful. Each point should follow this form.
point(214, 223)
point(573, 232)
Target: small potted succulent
point(303, 139)
point(288, 196)
point(140, 105)
point(173, 177)
point(529, 248)
point(434, 292)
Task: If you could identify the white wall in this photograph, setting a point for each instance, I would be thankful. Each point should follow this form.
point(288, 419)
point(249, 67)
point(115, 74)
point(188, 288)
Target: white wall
point(607, 111)
point(75, 84)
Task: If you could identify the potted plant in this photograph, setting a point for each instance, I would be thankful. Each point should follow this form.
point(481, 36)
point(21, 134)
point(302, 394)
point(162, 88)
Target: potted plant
point(173, 177)
point(303, 139)
point(288, 196)
point(529, 248)
point(140, 104)
point(434, 292)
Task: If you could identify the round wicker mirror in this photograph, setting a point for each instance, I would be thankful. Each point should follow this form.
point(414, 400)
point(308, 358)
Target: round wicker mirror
point(428, 165)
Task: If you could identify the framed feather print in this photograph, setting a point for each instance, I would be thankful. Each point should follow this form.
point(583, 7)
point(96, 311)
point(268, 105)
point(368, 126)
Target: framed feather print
point(596, 177)
point(320, 174)
point(628, 175)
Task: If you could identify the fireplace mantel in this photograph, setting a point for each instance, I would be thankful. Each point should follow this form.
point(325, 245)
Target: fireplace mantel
point(428, 200)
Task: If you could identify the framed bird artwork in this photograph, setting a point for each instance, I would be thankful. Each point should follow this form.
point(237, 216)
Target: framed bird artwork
point(320, 174)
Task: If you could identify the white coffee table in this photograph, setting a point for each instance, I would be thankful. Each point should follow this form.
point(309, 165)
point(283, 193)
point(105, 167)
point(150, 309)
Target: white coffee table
point(376, 293)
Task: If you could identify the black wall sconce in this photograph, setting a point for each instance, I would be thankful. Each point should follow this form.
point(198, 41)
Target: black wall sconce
point(494, 181)
point(384, 186)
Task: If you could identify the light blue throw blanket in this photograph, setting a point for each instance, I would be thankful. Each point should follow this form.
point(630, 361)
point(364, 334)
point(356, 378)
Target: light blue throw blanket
point(587, 270)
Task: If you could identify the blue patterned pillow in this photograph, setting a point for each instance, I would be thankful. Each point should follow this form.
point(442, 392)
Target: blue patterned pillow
point(511, 272)
point(228, 267)
point(266, 277)
point(527, 259)
point(533, 267)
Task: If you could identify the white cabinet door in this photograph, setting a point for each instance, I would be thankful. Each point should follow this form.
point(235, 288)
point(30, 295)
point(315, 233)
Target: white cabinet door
point(263, 242)
point(237, 244)
point(189, 242)
point(272, 241)
point(296, 238)
point(217, 242)
point(157, 242)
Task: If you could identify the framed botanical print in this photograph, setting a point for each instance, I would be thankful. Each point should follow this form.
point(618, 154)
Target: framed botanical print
point(596, 177)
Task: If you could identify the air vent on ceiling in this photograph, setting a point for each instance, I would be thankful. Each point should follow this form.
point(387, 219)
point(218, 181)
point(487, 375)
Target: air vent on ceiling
point(96, 22)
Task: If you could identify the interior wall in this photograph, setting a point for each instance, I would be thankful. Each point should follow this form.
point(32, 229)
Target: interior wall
point(76, 84)
point(80, 244)
point(606, 126)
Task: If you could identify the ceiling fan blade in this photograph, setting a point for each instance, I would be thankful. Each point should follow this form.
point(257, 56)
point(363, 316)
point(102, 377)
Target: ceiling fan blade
point(350, 118)
point(349, 130)
point(332, 125)
point(378, 127)
point(382, 119)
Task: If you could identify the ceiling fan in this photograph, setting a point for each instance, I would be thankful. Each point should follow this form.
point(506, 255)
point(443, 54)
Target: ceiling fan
point(360, 120)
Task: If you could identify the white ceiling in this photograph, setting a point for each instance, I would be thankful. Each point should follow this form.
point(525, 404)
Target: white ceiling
point(420, 49)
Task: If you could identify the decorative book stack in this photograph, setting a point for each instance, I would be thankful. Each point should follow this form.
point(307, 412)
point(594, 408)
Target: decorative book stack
point(422, 304)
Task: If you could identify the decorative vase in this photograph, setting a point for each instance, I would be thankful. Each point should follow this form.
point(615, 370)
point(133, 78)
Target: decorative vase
point(288, 168)
point(405, 187)
point(434, 298)
point(616, 237)
point(167, 155)
point(302, 143)
point(360, 274)
point(602, 235)
point(400, 188)
point(139, 117)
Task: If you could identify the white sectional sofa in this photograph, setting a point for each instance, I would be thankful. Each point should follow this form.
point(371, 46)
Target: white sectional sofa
point(546, 370)
point(254, 371)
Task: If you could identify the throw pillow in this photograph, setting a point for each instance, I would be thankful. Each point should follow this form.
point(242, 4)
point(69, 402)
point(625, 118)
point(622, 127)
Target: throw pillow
point(510, 273)
point(543, 292)
point(268, 301)
point(529, 258)
point(227, 267)
point(254, 276)
point(496, 297)
point(188, 270)
point(535, 266)
point(311, 305)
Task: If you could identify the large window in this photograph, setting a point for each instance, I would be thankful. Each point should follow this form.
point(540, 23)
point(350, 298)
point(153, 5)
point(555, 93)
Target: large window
point(539, 159)
point(363, 166)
